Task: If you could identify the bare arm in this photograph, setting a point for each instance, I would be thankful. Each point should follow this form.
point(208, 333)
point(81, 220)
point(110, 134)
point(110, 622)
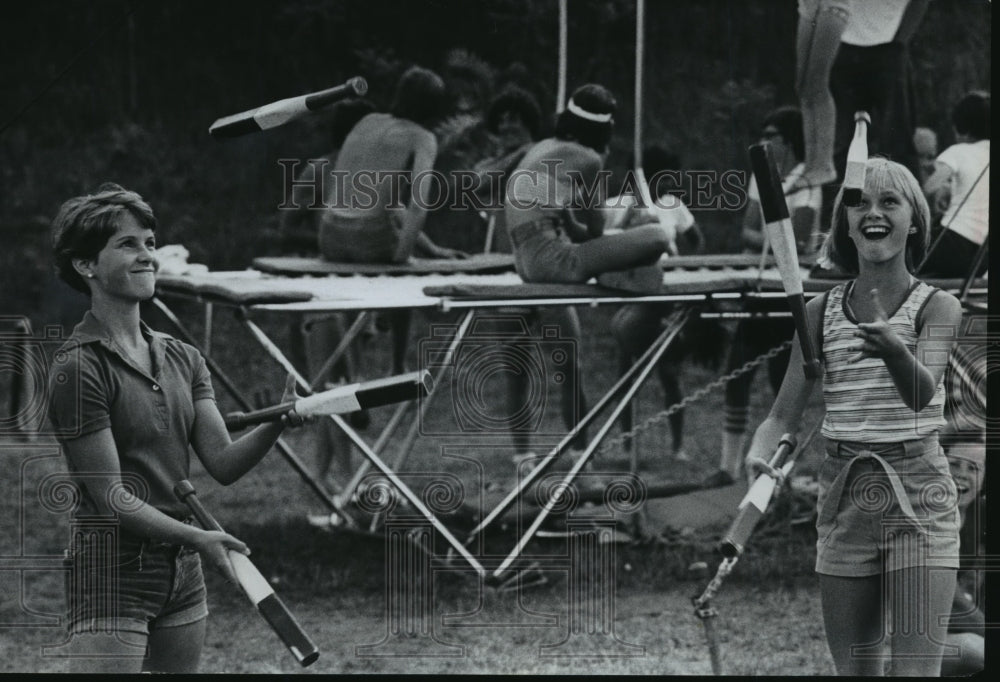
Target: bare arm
point(694, 239)
point(426, 246)
point(586, 217)
point(595, 215)
point(915, 380)
point(297, 228)
point(578, 231)
point(786, 412)
point(803, 219)
point(225, 459)
point(939, 179)
point(416, 213)
point(753, 226)
point(97, 455)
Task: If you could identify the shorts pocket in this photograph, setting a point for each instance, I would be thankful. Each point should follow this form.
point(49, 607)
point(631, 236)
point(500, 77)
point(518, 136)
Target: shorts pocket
point(89, 558)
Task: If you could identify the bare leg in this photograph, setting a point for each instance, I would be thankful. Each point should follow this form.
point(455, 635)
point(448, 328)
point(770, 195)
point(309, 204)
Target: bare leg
point(853, 616)
point(400, 324)
point(817, 43)
point(636, 246)
point(518, 387)
point(971, 658)
point(670, 379)
point(334, 450)
point(348, 370)
point(517, 391)
point(634, 327)
point(919, 628)
point(574, 399)
point(116, 652)
point(177, 649)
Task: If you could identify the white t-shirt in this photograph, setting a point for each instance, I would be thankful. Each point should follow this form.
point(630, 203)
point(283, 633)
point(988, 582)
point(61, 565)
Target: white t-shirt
point(671, 212)
point(805, 197)
point(966, 161)
point(873, 22)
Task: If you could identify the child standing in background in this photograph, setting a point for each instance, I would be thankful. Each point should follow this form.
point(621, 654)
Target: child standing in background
point(782, 131)
point(635, 327)
point(887, 528)
point(963, 171)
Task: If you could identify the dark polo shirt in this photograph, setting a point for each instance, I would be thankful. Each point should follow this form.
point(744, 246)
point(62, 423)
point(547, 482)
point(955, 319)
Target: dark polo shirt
point(151, 417)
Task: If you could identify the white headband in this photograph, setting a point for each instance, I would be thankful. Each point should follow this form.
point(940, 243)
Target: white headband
point(583, 113)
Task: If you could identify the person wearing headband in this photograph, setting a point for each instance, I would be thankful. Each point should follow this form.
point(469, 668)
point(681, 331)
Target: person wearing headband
point(554, 206)
point(555, 219)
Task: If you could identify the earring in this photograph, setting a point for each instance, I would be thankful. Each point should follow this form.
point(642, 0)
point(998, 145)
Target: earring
point(913, 230)
point(90, 275)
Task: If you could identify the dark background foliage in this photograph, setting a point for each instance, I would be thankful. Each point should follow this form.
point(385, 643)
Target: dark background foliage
point(96, 90)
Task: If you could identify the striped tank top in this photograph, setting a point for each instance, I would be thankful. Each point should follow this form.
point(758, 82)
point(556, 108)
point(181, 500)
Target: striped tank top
point(862, 402)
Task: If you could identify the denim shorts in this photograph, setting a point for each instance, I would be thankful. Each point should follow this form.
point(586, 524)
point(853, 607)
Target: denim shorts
point(543, 253)
point(897, 508)
point(360, 238)
point(133, 586)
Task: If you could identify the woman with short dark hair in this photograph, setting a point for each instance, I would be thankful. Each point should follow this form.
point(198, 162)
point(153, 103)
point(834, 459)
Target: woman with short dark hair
point(130, 404)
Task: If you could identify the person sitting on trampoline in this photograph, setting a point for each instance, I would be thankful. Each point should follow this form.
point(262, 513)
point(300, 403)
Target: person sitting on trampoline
point(554, 215)
point(382, 155)
point(380, 199)
point(555, 219)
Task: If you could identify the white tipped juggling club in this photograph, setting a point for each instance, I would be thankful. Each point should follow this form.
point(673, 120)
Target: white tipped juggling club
point(281, 112)
point(857, 159)
point(255, 586)
point(782, 238)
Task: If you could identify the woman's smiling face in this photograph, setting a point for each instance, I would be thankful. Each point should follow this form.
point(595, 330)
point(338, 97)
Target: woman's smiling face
point(880, 224)
point(126, 266)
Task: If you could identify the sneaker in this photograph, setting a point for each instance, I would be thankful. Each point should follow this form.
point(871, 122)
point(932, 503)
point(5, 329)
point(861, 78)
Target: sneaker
point(644, 279)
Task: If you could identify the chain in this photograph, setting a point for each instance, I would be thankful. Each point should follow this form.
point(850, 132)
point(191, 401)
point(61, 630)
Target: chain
point(697, 395)
point(700, 603)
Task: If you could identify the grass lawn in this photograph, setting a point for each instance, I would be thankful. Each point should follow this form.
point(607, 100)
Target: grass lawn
point(338, 583)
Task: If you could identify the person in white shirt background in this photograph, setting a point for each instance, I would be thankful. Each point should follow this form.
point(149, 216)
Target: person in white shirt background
point(636, 326)
point(962, 172)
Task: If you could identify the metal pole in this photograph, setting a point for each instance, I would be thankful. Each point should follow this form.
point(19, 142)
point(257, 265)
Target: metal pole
point(676, 321)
